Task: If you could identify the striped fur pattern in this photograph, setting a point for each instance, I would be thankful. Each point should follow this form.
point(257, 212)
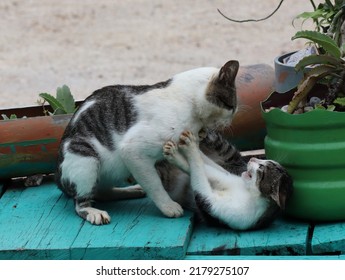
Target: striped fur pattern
point(225, 189)
point(117, 134)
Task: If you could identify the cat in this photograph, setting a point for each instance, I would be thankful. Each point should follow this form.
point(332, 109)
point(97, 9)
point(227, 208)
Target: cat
point(248, 197)
point(118, 131)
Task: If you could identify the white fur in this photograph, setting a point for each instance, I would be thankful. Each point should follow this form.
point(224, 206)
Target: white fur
point(235, 200)
point(162, 117)
point(80, 170)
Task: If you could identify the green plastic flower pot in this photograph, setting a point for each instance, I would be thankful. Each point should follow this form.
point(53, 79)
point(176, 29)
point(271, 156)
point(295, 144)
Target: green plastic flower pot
point(312, 148)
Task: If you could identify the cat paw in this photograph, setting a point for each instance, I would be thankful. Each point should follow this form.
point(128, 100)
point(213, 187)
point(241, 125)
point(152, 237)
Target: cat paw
point(187, 139)
point(172, 210)
point(169, 150)
point(173, 156)
point(98, 217)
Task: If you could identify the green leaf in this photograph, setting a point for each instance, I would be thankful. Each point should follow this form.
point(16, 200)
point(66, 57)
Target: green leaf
point(12, 117)
point(340, 101)
point(315, 59)
point(310, 15)
point(326, 42)
point(330, 108)
point(54, 103)
point(320, 107)
point(4, 117)
point(306, 85)
point(64, 96)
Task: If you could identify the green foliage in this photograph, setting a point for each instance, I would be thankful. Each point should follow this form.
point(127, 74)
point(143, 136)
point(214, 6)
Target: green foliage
point(321, 107)
point(340, 101)
point(63, 103)
point(326, 16)
point(6, 118)
point(327, 67)
point(323, 40)
point(316, 59)
point(307, 84)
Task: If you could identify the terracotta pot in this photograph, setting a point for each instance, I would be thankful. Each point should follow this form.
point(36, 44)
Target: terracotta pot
point(254, 84)
point(30, 146)
point(312, 148)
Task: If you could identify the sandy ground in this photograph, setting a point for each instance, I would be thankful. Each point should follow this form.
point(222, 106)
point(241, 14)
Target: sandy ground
point(89, 44)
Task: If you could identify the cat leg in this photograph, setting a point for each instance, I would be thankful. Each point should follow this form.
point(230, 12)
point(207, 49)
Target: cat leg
point(142, 168)
point(199, 179)
point(135, 191)
point(148, 178)
point(79, 179)
point(173, 156)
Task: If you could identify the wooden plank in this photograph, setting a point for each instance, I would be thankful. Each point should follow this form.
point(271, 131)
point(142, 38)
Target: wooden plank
point(283, 237)
point(41, 223)
point(137, 231)
point(328, 239)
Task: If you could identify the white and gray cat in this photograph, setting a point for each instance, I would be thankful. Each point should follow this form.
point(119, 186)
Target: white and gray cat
point(240, 196)
point(118, 132)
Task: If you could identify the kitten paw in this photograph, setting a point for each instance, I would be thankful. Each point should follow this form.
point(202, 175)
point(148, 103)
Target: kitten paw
point(172, 210)
point(169, 150)
point(187, 139)
point(173, 156)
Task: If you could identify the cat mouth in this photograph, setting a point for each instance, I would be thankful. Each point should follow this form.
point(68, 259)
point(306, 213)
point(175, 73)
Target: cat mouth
point(247, 174)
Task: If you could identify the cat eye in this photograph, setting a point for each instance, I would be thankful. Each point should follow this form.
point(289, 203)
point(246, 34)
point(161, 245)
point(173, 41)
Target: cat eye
point(261, 172)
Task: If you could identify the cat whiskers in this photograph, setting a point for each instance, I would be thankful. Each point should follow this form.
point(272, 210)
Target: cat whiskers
point(243, 108)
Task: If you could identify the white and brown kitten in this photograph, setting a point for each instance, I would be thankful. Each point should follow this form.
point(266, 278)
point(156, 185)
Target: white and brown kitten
point(249, 200)
point(118, 132)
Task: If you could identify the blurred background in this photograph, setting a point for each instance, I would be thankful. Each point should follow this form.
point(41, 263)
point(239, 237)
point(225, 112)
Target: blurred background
point(89, 44)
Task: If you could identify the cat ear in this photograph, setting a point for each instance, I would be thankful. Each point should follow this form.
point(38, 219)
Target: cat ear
point(279, 198)
point(284, 191)
point(228, 72)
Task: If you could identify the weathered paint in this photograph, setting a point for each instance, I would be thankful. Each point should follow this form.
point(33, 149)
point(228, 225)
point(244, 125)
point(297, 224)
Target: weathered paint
point(286, 76)
point(30, 146)
point(329, 239)
point(283, 237)
point(41, 223)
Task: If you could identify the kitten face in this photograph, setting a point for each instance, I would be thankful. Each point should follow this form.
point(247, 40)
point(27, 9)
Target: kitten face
point(221, 93)
point(222, 90)
point(270, 178)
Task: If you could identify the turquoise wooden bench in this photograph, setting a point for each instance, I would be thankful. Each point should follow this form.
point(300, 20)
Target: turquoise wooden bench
point(40, 223)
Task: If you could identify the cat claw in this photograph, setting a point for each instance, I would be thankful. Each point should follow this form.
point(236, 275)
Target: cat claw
point(169, 150)
point(187, 138)
point(98, 217)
